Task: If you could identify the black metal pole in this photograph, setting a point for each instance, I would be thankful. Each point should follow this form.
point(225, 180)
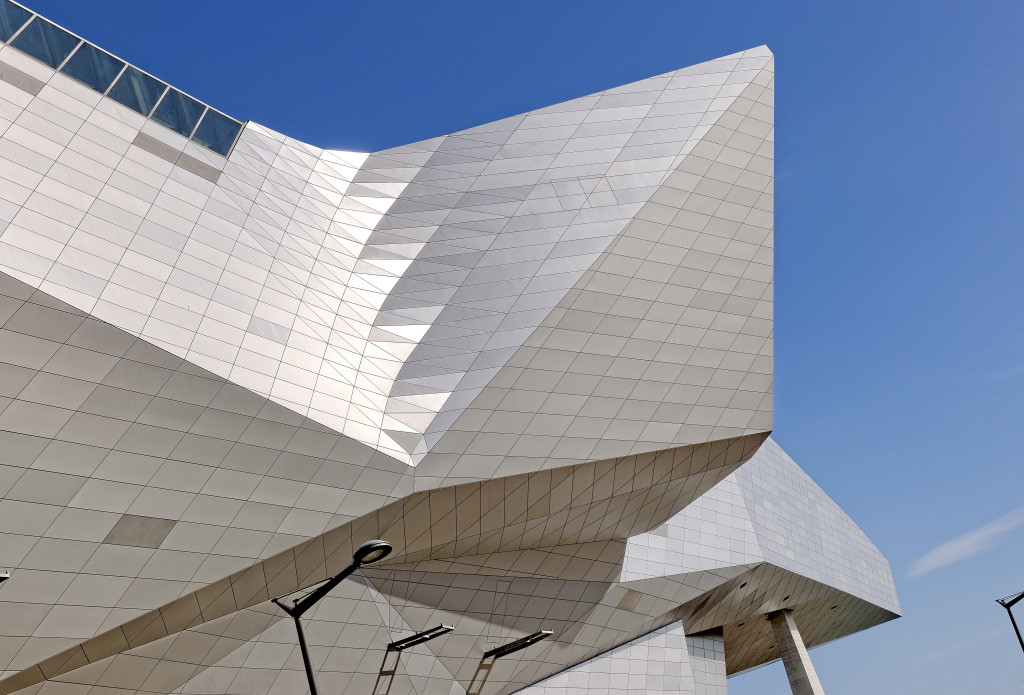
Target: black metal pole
point(1015, 628)
point(368, 553)
point(304, 604)
point(305, 657)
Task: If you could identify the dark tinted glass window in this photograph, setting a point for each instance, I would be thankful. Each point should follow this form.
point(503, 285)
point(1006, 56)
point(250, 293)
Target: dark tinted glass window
point(137, 90)
point(217, 131)
point(93, 67)
point(178, 112)
point(47, 42)
point(12, 18)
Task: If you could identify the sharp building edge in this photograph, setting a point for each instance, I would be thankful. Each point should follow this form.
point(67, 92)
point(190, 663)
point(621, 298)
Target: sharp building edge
point(535, 356)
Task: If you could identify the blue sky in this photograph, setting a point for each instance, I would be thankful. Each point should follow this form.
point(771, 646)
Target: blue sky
point(900, 244)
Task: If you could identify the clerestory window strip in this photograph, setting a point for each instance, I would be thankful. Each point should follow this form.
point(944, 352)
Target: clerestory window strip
point(84, 62)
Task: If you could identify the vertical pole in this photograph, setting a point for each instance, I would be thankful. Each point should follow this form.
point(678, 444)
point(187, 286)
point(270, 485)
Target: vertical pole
point(305, 657)
point(369, 552)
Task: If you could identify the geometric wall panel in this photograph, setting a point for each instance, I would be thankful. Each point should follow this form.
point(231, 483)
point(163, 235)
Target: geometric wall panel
point(372, 294)
point(536, 356)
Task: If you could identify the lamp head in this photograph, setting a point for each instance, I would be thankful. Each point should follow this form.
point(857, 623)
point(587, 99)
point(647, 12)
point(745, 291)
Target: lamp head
point(4, 576)
point(371, 551)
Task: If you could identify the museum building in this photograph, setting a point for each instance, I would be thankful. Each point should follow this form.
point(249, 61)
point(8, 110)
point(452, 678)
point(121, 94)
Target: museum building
point(486, 413)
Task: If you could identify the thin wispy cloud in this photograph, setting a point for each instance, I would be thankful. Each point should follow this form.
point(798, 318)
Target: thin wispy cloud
point(968, 545)
point(1010, 373)
point(994, 364)
point(958, 648)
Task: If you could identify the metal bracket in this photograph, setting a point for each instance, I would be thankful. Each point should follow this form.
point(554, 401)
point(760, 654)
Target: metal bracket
point(420, 638)
point(521, 643)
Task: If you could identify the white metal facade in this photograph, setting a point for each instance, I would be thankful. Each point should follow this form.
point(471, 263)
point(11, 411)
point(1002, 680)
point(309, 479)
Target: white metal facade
point(535, 355)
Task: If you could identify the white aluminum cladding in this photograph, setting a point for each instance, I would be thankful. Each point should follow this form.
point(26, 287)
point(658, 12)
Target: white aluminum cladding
point(535, 356)
point(609, 258)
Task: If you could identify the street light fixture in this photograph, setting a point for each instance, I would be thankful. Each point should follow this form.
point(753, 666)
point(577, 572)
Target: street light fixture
point(370, 552)
point(366, 554)
point(1007, 603)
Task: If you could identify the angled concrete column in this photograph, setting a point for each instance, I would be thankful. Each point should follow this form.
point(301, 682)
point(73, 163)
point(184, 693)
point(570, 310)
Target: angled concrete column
point(802, 678)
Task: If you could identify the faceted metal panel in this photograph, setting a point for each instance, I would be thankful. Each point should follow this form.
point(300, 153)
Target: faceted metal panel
point(666, 338)
point(131, 477)
point(380, 294)
point(413, 595)
point(597, 501)
point(534, 355)
point(663, 661)
point(768, 510)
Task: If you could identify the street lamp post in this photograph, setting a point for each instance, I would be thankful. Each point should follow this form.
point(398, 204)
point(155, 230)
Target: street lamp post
point(366, 554)
point(1007, 603)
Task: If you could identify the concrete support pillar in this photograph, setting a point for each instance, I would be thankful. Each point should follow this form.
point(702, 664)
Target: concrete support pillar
point(802, 678)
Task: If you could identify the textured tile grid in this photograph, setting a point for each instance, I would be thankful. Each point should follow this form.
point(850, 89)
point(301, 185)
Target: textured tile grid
point(585, 349)
point(291, 272)
point(529, 354)
point(659, 662)
point(663, 661)
point(707, 659)
point(495, 610)
point(770, 587)
point(740, 605)
point(604, 490)
point(800, 528)
point(410, 596)
point(768, 510)
point(100, 428)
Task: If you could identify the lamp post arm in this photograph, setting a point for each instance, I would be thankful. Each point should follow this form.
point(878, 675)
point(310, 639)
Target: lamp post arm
point(310, 600)
point(368, 552)
point(282, 606)
point(1009, 604)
